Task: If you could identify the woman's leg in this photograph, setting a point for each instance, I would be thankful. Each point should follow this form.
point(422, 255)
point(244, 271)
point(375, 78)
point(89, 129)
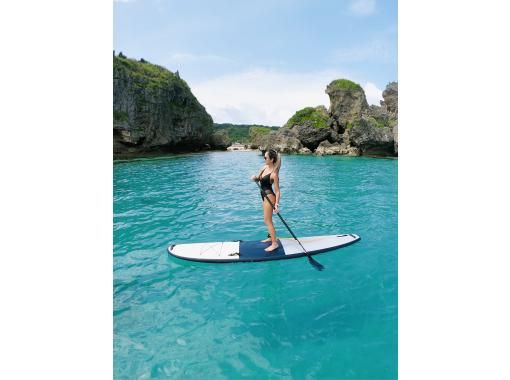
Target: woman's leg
point(268, 240)
point(268, 220)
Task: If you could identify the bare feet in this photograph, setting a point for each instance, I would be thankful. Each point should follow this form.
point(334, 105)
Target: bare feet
point(268, 240)
point(271, 248)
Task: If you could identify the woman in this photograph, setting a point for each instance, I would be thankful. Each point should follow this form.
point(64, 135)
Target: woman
point(269, 175)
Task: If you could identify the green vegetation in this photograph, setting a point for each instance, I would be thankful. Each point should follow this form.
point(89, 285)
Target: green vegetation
point(151, 76)
point(375, 123)
point(309, 116)
point(345, 84)
point(244, 133)
point(120, 116)
point(370, 120)
point(256, 132)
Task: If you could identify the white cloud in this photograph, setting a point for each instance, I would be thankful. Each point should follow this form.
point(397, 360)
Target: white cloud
point(362, 7)
point(373, 94)
point(267, 97)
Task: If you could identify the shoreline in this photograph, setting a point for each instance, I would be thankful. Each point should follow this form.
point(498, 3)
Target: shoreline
point(161, 155)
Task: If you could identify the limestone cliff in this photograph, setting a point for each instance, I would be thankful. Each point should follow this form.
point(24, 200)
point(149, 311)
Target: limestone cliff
point(154, 110)
point(347, 102)
point(390, 96)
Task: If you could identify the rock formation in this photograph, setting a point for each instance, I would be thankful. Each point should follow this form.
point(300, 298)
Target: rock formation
point(390, 96)
point(220, 139)
point(154, 110)
point(370, 137)
point(310, 125)
point(350, 126)
point(327, 148)
point(347, 103)
point(285, 140)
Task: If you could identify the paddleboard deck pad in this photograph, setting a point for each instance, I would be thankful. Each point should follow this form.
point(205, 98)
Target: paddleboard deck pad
point(249, 251)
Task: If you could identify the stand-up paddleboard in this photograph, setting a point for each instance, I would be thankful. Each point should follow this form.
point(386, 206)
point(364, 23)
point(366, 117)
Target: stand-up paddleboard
point(243, 251)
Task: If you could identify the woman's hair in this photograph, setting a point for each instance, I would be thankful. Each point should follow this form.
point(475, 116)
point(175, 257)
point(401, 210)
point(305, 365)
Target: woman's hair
point(276, 158)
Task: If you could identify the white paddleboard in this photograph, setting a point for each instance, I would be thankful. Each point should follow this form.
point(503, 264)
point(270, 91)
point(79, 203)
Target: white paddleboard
point(240, 250)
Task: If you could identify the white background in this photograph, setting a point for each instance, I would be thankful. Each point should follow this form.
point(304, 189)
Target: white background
point(56, 191)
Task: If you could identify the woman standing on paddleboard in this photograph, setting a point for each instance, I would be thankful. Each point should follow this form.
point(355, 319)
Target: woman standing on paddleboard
point(267, 177)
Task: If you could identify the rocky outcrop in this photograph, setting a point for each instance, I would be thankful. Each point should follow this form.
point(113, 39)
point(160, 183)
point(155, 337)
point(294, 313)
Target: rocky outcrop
point(220, 139)
point(153, 109)
point(390, 96)
point(379, 113)
point(347, 103)
point(395, 138)
point(239, 147)
point(327, 148)
point(311, 137)
point(368, 130)
point(284, 141)
point(310, 126)
point(351, 127)
point(371, 138)
point(304, 151)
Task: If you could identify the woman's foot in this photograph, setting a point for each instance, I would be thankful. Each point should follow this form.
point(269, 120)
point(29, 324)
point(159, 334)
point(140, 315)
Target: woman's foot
point(271, 248)
point(268, 240)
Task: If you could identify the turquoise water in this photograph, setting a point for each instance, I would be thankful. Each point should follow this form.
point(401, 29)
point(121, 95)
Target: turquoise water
point(276, 320)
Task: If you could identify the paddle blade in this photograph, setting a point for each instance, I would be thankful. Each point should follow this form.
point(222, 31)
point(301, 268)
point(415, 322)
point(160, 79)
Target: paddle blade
point(315, 264)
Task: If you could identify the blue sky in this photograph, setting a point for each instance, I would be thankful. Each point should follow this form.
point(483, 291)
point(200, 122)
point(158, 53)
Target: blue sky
point(260, 61)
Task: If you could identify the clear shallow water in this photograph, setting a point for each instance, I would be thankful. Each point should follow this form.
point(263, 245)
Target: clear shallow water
point(277, 320)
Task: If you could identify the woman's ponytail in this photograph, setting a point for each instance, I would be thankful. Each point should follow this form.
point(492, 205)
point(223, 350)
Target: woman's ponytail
point(278, 162)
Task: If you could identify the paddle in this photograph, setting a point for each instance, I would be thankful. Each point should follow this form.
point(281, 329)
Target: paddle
point(312, 261)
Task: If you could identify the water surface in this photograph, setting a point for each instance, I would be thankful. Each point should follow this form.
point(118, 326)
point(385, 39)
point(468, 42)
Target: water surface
point(279, 320)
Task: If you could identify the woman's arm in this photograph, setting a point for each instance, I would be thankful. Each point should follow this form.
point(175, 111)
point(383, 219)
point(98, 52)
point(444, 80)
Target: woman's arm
point(276, 183)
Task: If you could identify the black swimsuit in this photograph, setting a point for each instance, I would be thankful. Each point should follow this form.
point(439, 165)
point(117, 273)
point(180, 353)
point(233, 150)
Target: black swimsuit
point(265, 184)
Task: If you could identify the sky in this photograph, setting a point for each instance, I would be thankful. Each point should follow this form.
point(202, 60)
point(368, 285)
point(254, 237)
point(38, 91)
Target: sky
point(260, 61)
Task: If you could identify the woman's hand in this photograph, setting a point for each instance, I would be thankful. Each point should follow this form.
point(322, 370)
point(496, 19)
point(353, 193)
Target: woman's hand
point(276, 208)
point(254, 178)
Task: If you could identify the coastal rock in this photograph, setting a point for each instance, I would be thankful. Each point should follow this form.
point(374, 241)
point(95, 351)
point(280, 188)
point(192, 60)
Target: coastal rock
point(390, 96)
point(284, 141)
point(304, 151)
point(153, 109)
point(379, 113)
point(310, 136)
point(220, 140)
point(371, 137)
point(310, 126)
point(327, 148)
point(335, 136)
point(395, 138)
point(306, 128)
point(350, 128)
point(239, 147)
point(347, 102)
